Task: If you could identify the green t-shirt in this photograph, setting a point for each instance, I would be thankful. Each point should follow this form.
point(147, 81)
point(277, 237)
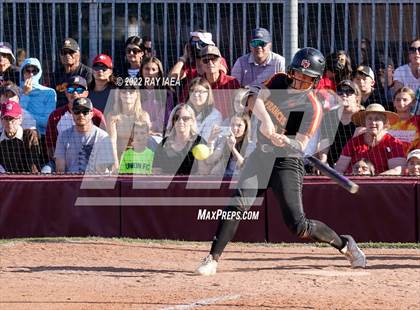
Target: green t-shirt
point(139, 163)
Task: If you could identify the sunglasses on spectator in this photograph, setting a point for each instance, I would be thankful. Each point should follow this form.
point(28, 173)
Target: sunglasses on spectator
point(81, 111)
point(184, 118)
point(134, 50)
point(79, 90)
point(258, 43)
point(100, 67)
point(206, 60)
point(67, 52)
point(33, 70)
point(345, 91)
point(413, 49)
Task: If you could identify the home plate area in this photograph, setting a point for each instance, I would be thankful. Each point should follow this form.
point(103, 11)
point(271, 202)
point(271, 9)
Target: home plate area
point(97, 273)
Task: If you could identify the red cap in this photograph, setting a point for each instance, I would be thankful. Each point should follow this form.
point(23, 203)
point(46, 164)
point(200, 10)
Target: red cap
point(11, 108)
point(103, 59)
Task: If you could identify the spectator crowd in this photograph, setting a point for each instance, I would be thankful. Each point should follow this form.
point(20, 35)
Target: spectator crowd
point(95, 119)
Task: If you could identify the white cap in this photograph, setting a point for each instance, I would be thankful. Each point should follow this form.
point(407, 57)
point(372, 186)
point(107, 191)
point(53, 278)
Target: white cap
point(413, 153)
point(205, 37)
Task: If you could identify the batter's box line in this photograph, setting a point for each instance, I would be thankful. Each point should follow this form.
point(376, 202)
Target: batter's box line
point(159, 201)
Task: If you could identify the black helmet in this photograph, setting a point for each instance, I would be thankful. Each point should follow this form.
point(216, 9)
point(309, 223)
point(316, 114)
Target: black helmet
point(309, 61)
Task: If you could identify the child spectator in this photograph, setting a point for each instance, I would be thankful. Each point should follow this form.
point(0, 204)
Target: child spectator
point(230, 148)
point(138, 159)
point(364, 167)
point(413, 163)
point(407, 129)
point(365, 80)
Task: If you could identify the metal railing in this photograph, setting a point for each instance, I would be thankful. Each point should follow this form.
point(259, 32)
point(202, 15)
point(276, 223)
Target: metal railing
point(102, 25)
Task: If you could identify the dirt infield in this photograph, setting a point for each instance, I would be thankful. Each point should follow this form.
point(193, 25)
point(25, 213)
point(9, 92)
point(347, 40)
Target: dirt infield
point(117, 274)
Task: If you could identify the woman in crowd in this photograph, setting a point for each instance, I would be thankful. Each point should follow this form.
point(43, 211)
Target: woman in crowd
point(349, 96)
point(134, 52)
point(375, 144)
point(102, 82)
point(124, 112)
point(200, 98)
point(407, 129)
point(157, 99)
point(174, 155)
point(232, 147)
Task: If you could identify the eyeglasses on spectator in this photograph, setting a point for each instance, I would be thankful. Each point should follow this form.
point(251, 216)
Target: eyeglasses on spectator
point(79, 90)
point(258, 43)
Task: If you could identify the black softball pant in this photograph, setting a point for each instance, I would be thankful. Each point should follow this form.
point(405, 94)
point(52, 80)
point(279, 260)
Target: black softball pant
point(285, 177)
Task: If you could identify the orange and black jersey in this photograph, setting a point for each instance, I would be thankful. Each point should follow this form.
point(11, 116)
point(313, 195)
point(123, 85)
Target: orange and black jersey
point(290, 110)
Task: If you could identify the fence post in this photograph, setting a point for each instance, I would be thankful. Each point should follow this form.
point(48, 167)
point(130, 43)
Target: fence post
point(290, 29)
point(93, 30)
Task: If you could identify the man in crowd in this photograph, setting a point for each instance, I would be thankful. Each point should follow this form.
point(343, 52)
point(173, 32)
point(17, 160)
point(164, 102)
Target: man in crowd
point(62, 119)
point(83, 148)
point(258, 66)
point(70, 59)
point(7, 59)
point(210, 63)
point(19, 148)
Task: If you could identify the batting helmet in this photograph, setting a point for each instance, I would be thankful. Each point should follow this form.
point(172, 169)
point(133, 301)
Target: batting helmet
point(309, 61)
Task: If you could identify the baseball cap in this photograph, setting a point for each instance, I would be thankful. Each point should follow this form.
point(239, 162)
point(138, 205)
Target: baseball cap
point(261, 34)
point(77, 80)
point(6, 48)
point(103, 59)
point(348, 83)
point(205, 37)
point(413, 153)
point(80, 103)
point(366, 70)
point(210, 50)
point(70, 44)
point(11, 108)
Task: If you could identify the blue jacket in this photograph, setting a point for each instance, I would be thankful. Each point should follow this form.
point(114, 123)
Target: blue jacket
point(41, 101)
